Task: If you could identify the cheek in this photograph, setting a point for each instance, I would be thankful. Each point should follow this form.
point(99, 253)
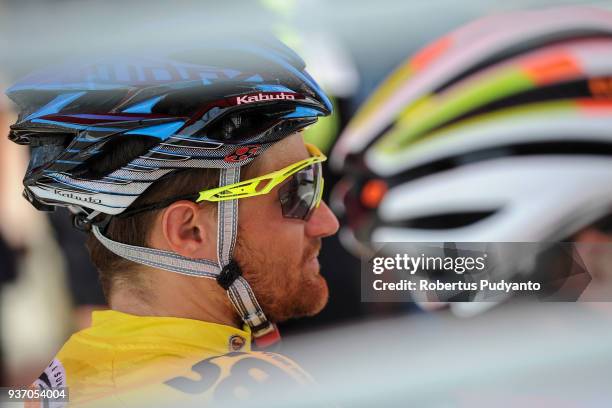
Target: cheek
point(264, 227)
point(276, 240)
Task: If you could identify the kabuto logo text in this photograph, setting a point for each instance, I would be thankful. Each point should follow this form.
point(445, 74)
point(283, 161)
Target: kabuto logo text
point(265, 97)
point(77, 197)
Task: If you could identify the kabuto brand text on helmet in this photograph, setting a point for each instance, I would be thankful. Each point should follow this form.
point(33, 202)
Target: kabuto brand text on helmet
point(264, 97)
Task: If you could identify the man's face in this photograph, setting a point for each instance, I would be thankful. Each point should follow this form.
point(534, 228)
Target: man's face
point(278, 256)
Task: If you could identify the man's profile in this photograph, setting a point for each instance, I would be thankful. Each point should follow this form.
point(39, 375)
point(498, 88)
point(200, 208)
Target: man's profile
point(203, 205)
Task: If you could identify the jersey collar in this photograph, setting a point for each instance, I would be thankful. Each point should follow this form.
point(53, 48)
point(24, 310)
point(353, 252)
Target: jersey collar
point(114, 326)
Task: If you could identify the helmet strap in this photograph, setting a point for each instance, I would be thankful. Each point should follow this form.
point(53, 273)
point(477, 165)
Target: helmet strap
point(238, 290)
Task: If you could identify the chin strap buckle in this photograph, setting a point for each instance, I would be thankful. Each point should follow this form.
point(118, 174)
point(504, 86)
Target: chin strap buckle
point(229, 274)
point(266, 336)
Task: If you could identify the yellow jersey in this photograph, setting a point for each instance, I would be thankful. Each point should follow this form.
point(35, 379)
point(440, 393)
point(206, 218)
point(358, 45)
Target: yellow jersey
point(127, 360)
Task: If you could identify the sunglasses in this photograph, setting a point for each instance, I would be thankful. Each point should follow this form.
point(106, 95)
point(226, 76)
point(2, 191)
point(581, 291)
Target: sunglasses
point(299, 196)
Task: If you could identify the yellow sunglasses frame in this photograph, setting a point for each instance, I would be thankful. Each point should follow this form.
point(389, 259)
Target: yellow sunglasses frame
point(249, 188)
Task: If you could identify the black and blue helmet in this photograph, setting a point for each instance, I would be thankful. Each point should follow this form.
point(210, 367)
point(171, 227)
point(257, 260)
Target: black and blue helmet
point(189, 110)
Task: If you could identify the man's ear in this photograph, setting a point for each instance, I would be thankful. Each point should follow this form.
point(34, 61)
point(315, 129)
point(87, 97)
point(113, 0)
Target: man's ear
point(188, 230)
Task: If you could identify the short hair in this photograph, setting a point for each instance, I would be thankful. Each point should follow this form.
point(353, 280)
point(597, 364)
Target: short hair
point(135, 229)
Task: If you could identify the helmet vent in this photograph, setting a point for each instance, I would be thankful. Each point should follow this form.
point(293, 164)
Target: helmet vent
point(445, 221)
point(114, 155)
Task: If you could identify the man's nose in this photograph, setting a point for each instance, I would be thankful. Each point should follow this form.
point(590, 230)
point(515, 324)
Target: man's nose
point(322, 223)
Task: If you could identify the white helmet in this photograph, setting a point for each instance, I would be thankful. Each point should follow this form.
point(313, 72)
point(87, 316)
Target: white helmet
point(499, 132)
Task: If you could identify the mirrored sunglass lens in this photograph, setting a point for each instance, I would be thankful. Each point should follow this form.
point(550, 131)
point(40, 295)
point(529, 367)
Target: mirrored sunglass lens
point(299, 195)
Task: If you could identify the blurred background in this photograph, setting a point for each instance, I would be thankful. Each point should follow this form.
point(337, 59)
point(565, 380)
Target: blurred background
point(49, 288)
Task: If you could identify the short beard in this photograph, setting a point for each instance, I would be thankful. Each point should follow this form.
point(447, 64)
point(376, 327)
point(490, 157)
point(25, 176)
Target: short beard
point(282, 292)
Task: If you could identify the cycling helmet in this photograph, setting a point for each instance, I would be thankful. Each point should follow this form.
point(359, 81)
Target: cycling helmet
point(219, 107)
point(498, 132)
